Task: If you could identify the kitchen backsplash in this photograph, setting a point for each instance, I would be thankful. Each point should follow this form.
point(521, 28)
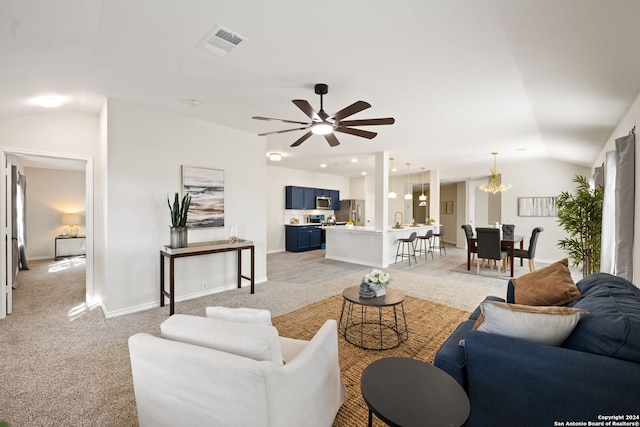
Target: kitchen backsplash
point(301, 215)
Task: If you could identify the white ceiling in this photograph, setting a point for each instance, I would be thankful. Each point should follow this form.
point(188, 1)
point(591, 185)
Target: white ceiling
point(462, 78)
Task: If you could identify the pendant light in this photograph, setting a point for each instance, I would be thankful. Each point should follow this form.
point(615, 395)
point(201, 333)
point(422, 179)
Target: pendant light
point(408, 196)
point(422, 198)
point(494, 186)
point(392, 194)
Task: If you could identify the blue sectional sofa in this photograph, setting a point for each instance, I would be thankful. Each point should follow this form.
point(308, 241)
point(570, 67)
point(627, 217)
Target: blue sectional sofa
point(593, 374)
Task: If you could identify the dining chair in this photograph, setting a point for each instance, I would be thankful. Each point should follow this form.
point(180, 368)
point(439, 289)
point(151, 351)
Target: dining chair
point(410, 244)
point(468, 233)
point(530, 253)
point(439, 235)
point(489, 247)
point(508, 230)
point(424, 244)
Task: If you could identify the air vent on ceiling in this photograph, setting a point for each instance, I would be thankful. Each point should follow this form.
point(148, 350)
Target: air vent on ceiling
point(220, 41)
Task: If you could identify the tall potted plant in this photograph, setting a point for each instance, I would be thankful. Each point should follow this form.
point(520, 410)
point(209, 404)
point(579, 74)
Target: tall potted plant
point(179, 211)
point(581, 216)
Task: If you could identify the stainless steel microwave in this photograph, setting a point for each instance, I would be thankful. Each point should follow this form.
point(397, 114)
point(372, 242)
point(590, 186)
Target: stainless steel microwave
point(323, 202)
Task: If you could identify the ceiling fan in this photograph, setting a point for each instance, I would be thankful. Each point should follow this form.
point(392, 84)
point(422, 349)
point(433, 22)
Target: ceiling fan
point(323, 124)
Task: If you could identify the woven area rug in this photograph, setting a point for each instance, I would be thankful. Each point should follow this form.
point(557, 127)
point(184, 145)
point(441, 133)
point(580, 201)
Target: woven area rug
point(429, 325)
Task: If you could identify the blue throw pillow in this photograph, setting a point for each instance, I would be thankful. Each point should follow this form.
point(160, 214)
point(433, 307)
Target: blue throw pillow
point(613, 328)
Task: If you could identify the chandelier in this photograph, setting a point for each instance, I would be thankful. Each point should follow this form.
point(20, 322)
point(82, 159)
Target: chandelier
point(494, 186)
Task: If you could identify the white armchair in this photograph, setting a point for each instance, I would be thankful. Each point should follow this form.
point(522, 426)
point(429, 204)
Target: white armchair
point(192, 384)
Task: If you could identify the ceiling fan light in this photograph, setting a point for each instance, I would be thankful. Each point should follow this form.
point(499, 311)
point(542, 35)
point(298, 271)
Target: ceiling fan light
point(321, 129)
point(275, 157)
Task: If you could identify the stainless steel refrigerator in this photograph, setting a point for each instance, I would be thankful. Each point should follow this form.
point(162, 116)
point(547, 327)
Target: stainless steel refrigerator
point(351, 210)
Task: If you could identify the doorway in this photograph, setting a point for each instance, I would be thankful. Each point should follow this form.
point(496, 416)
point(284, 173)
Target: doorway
point(43, 161)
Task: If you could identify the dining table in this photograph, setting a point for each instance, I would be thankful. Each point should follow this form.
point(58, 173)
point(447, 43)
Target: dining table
point(509, 241)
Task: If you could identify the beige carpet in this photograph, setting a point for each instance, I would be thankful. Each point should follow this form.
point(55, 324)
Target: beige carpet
point(64, 364)
point(429, 325)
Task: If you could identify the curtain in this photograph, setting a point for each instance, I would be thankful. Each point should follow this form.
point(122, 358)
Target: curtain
point(625, 204)
point(21, 207)
point(618, 210)
point(14, 225)
point(608, 237)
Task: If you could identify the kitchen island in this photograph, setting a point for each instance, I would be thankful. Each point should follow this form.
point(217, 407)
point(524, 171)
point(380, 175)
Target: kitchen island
point(366, 246)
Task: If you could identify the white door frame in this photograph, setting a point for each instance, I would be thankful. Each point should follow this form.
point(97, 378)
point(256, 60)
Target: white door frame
point(6, 249)
point(5, 203)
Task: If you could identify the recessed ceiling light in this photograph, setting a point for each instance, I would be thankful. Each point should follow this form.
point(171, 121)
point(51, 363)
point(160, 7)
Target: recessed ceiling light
point(364, 173)
point(275, 157)
point(521, 149)
point(323, 165)
point(193, 102)
point(354, 160)
point(50, 101)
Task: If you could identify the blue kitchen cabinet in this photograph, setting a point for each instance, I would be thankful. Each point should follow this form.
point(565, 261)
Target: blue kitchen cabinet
point(302, 238)
point(294, 197)
point(335, 199)
point(309, 198)
point(305, 197)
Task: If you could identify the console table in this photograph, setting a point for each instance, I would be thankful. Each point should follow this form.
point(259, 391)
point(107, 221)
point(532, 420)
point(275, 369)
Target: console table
point(57, 257)
point(203, 248)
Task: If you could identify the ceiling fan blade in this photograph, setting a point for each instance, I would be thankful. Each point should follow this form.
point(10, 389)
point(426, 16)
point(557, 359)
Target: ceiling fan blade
point(356, 132)
point(356, 107)
point(279, 120)
point(282, 131)
point(306, 108)
point(302, 139)
point(331, 139)
point(368, 122)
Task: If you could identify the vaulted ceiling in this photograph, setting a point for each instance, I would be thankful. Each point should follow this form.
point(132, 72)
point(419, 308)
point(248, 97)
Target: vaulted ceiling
point(529, 79)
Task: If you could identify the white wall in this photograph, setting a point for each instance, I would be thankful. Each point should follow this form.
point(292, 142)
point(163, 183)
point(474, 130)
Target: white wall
point(535, 178)
point(630, 119)
point(277, 179)
point(138, 154)
point(50, 193)
point(146, 149)
point(63, 134)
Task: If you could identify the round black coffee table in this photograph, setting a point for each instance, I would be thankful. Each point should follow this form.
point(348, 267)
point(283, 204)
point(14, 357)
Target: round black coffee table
point(375, 329)
point(408, 392)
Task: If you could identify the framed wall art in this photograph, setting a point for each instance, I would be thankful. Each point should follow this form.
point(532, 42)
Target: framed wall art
point(450, 207)
point(206, 187)
point(537, 206)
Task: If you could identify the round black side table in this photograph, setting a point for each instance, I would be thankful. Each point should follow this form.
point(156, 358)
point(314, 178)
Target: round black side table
point(365, 323)
point(406, 392)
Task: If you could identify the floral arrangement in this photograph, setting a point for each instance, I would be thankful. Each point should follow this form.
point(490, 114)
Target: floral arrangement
point(377, 277)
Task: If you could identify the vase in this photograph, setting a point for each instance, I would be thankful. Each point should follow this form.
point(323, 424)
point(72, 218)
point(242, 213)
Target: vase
point(178, 237)
point(366, 291)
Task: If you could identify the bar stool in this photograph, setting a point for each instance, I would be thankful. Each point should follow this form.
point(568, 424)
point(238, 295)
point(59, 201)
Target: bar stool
point(424, 244)
point(410, 243)
point(440, 235)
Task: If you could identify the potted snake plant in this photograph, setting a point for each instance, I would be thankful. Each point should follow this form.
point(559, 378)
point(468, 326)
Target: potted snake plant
point(179, 211)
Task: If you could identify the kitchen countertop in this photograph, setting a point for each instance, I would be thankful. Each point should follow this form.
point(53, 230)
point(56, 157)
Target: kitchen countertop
point(304, 224)
point(371, 229)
